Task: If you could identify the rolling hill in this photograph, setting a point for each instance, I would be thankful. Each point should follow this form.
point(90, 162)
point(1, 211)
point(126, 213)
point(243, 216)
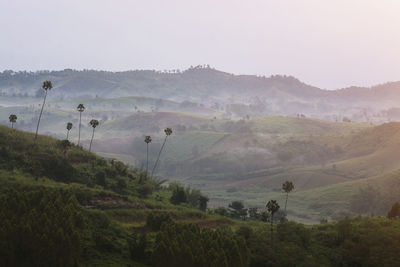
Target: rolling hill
point(250, 159)
point(204, 87)
point(64, 206)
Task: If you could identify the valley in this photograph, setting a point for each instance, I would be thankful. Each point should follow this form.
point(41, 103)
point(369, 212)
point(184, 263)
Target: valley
point(215, 147)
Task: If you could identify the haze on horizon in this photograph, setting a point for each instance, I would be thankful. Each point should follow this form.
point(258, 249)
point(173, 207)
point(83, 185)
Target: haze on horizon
point(329, 45)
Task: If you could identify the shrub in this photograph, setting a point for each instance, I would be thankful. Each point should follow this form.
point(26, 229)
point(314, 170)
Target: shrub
point(155, 221)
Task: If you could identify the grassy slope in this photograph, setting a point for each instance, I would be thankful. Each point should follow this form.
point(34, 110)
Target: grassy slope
point(326, 191)
point(366, 152)
point(290, 125)
point(116, 205)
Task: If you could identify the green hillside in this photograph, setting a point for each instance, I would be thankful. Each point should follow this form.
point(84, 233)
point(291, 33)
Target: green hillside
point(363, 178)
point(64, 206)
point(250, 159)
point(103, 203)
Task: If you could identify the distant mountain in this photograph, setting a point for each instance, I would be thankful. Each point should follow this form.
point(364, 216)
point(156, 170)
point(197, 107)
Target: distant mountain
point(192, 83)
point(238, 94)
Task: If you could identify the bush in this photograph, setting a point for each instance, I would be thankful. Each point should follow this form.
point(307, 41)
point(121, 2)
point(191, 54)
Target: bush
point(155, 221)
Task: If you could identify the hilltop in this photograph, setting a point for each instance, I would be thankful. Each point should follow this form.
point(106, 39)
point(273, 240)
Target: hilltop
point(203, 89)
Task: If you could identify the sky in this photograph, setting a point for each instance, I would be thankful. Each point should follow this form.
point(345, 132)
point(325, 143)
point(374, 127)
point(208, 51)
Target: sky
point(330, 44)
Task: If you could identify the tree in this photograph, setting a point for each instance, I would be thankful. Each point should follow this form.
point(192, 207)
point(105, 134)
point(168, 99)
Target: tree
point(69, 127)
point(221, 211)
point(47, 86)
point(80, 108)
point(287, 187)
point(147, 140)
point(13, 119)
point(272, 207)
point(64, 145)
point(178, 194)
point(395, 211)
point(94, 123)
point(253, 213)
point(237, 210)
point(168, 132)
point(203, 202)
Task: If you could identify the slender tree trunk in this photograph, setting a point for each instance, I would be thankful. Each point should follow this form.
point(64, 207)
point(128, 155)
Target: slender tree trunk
point(147, 164)
point(287, 196)
point(79, 135)
point(272, 230)
point(12, 125)
point(158, 157)
point(40, 115)
point(91, 140)
point(67, 134)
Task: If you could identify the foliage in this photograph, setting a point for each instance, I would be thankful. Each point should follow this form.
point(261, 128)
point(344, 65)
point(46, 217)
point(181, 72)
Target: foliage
point(40, 228)
point(394, 211)
point(155, 221)
point(188, 195)
point(207, 247)
point(236, 210)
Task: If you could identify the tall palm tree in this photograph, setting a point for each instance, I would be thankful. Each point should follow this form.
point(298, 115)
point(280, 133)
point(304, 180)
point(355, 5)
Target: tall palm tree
point(272, 207)
point(287, 187)
point(47, 85)
point(168, 132)
point(94, 124)
point(80, 108)
point(13, 119)
point(69, 127)
point(147, 140)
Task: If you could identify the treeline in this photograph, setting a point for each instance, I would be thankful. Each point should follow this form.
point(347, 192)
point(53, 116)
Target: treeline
point(359, 241)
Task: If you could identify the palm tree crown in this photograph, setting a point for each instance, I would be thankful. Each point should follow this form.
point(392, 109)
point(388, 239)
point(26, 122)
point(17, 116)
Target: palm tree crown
point(287, 186)
point(94, 123)
point(147, 139)
point(47, 85)
point(13, 118)
point(272, 206)
point(168, 131)
point(81, 108)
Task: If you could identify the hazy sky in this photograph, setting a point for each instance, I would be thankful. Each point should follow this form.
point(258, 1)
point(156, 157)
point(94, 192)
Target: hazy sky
point(327, 43)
